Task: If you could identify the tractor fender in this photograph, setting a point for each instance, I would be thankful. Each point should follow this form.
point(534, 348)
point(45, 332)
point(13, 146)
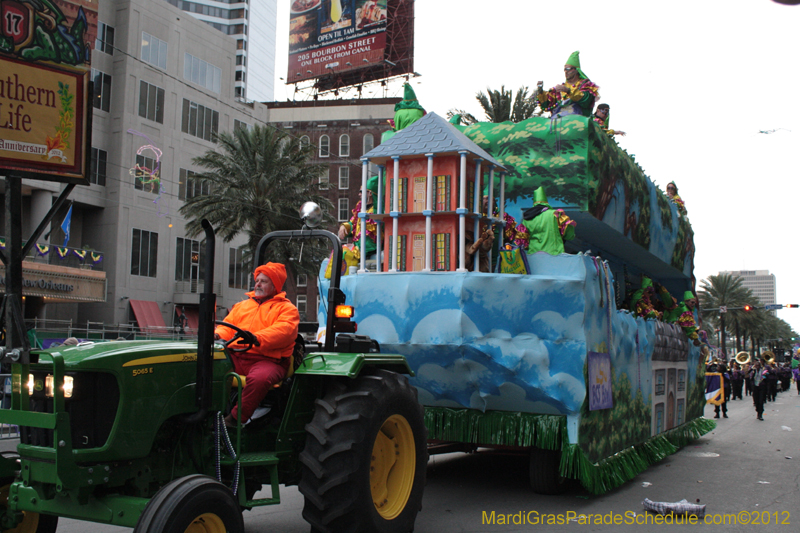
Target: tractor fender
point(351, 364)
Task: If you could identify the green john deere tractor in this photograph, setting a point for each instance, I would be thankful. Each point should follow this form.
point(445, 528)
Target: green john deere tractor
point(131, 432)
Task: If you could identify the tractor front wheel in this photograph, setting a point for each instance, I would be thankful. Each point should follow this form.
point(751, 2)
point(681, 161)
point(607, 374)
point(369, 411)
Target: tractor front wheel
point(192, 504)
point(31, 522)
point(365, 456)
point(545, 474)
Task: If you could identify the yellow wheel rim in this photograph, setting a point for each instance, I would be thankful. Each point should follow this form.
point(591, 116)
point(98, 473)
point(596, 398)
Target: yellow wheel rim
point(206, 523)
point(30, 521)
point(392, 468)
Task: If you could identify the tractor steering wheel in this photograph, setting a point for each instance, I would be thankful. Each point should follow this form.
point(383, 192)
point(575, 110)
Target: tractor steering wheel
point(249, 340)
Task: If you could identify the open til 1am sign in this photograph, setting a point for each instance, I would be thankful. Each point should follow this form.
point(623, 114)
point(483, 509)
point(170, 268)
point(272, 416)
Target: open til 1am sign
point(45, 107)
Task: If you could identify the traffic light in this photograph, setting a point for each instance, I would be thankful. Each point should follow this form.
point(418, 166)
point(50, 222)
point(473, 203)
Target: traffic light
point(792, 305)
point(748, 307)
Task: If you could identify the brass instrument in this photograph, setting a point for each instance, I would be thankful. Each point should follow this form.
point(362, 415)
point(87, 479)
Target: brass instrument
point(743, 358)
point(768, 357)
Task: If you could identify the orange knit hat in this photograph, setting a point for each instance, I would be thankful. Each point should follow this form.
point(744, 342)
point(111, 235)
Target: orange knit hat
point(276, 273)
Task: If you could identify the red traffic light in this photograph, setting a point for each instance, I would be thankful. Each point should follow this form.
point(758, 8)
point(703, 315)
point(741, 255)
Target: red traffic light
point(748, 307)
point(792, 305)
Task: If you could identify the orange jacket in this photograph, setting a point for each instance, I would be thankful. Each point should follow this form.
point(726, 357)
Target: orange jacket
point(274, 322)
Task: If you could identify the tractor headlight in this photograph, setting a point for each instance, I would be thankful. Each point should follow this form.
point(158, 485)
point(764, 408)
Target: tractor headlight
point(68, 383)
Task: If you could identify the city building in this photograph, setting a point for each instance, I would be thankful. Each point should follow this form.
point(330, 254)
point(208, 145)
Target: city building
point(163, 85)
point(342, 132)
point(253, 25)
point(760, 282)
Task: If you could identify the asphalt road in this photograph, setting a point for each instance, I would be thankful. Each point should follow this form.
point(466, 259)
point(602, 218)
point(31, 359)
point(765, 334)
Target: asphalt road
point(745, 468)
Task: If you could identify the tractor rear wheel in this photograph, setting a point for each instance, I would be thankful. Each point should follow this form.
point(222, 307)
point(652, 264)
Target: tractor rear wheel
point(365, 456)
point(192, 504)
point(31, 522)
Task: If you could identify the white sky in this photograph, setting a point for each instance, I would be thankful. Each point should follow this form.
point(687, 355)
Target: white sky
point(692, 82)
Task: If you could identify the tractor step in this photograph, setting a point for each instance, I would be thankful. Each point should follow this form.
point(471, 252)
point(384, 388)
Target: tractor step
point(262, 501)
point(253, 459)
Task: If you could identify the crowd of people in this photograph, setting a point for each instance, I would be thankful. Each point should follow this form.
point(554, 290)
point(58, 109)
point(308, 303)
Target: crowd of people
point(762, 379)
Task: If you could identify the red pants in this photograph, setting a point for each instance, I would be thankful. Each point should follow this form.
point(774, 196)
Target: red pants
point(261, 374)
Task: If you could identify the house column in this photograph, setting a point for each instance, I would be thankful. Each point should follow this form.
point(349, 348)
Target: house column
point(362, 215)
point(476, 208)
point(395, 213)
point(379, 223)
point(461, 211)
point(428, 214)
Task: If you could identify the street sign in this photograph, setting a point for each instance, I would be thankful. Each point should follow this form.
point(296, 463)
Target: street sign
point(723, 308)
point(772, 307)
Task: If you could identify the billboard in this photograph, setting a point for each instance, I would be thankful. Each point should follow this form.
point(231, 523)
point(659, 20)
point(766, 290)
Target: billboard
point(345, 42)
point(45, 106)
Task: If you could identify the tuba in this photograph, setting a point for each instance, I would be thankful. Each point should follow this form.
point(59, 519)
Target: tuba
point(768, 357)
point(743, 358)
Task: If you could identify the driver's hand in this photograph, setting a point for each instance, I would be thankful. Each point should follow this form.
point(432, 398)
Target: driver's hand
point(249, 338)
point(217, 337)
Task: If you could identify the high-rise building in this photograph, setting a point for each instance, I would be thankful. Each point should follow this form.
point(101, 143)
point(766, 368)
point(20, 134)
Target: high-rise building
point(253, 25)
point(761, 282)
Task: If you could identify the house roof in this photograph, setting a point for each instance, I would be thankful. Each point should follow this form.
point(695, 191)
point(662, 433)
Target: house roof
point(429, 135)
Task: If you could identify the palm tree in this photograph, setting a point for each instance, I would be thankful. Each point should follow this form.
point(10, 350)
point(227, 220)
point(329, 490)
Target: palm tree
point(722, 290)
point(501, 106)
point(258, 179)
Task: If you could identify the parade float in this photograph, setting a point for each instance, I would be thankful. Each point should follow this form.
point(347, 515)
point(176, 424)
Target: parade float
point(543, 361)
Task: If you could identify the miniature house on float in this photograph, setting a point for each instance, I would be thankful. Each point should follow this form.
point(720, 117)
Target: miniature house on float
point(427, 199)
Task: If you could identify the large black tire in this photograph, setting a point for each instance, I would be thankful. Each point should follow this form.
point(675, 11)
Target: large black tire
point(545, 475)
point(365, 456)
point(192, 504)
point(31, 522)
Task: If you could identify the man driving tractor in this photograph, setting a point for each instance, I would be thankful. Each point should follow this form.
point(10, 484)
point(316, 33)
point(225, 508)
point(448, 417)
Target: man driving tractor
point(270, 322)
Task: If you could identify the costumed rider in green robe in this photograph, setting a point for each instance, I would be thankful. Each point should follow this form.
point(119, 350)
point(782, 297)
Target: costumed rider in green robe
point(684, 316)
point(548, 228)
point(353, 226)
point(642, 301)
point(576, 96)
point(406, 112)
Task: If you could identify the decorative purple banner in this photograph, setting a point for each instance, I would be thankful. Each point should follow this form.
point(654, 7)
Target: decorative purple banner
point(600, 394)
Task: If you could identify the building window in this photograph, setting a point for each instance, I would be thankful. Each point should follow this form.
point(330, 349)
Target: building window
point(240, 60)
point(190, 186)
point(344, 209)
point(238, 268)
point(324, 146)
point(154, 51)
point(239, 76)
point(102, 90)
point(144, 253)
point(302, 306)
point(199, 121)
point(239, 125)
point(97, 172)
point(660, 386)
point(401, 204)
point(202, 73)
point(369, 143)
point(441, 251)
point(151, 102)
point(344, 145)
point(302, 280)
point(188, 260)
point(147, 174)
point(324, 179)
point(304, 141)
point(344, 177)
point(441, 193)
point(105, 38)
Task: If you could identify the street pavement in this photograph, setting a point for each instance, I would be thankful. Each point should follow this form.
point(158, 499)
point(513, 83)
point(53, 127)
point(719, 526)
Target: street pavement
point(744, 468)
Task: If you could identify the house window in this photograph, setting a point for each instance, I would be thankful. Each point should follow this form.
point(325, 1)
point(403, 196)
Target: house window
point(190, 186)
point(154, 51)
point(199, 121)
point(344, 209)
point(369, 143)
point(151, 102)
point(105, 38)
point(401, 253)
point(441, 193)
point(302, 280)
point(680, 414)
point(659, 418)
point(238, 268)
point(324, 146)
point(102, 90)
point(659, 385)
point(302, 306)
point(147, 174)
point(144, 253)
point(344, 145)
point(401, 204)
point(324, 179)
point(188, 260)
point(201, 72)
point(441, 251)
point(681, 380)
point(97, 172)
point(305, 141)
point(344, 177)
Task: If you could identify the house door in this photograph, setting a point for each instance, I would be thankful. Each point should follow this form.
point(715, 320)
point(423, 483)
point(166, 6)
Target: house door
point(419, 195)
point(418, 253)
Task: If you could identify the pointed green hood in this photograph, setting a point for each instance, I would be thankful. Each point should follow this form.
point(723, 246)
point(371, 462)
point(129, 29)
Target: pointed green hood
point(409, 100)
point(575, 61)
